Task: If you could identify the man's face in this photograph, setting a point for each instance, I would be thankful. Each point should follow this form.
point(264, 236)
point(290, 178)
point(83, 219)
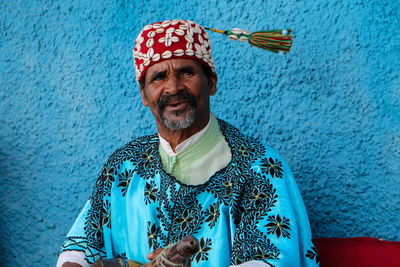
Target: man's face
point(177, 92)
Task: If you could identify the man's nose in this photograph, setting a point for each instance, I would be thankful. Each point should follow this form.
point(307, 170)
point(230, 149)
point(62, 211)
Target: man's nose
point(173, 85)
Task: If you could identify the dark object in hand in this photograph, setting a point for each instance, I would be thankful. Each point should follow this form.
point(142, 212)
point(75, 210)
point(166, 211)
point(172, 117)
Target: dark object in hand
point(179, 254)
point(116, 263)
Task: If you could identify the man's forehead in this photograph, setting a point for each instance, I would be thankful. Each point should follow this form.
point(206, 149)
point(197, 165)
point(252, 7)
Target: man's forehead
point(173, 64)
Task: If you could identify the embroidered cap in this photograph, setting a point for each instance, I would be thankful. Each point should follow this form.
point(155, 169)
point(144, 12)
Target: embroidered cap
point(171, 39)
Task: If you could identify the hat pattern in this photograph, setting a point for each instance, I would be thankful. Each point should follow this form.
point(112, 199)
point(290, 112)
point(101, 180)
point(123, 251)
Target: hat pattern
point(171, 39)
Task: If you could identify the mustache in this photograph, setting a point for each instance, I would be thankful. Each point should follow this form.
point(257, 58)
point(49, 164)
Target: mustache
point(182, 95)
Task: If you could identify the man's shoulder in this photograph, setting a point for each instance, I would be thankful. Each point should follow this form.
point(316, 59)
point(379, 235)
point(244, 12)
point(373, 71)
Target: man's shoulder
point(246, 144)
point(233, 133)
point(250, 154)
point(237, 139)
point(132, 149)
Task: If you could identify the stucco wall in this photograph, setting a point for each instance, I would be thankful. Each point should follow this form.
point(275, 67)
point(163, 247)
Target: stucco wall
point(68, 99)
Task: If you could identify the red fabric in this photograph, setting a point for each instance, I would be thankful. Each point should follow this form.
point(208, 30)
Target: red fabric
point(171, 39)
point(357, 251)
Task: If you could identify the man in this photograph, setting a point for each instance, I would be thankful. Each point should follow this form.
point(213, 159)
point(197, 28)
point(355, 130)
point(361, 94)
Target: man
point(198, 176)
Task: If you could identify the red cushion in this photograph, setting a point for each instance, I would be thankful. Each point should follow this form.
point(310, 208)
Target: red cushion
point(357, 251)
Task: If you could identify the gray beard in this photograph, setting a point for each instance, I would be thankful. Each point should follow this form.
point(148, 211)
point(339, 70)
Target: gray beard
point(179, 124)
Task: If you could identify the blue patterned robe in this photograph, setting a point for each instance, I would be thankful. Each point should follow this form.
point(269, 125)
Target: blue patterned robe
point(249, 210)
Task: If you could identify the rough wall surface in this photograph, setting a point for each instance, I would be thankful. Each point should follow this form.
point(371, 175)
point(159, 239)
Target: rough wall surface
point(68, 99)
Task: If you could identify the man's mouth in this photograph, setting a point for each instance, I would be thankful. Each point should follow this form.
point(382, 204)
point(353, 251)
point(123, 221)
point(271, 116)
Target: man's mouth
point(176, 105)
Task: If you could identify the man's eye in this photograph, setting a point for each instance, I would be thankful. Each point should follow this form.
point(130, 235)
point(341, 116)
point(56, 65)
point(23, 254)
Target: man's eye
point(187, 72)
point(158, 78)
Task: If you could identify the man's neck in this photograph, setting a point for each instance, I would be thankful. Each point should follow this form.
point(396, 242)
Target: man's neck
point(174, 138)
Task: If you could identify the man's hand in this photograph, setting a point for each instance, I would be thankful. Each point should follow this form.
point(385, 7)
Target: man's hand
point(152, 255)
point(175, 254)
point(71, 264)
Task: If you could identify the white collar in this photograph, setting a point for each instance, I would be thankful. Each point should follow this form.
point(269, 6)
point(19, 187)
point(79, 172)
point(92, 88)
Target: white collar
point(179, 148)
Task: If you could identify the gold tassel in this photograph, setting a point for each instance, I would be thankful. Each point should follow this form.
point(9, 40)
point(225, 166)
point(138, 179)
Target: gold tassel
point(277, 41)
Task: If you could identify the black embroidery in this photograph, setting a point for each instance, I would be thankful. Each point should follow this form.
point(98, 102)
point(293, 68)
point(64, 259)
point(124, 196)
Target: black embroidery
point(313, 254)
point(150, 192)
point(152, 233)
point(106, 215)
point(125, 177)
point(212, 215)
point(108, 178)
point(81, 244)
point(278, 226)
point(75, 241)
point(272, 166)
point(94, 221)
point(245, 192)
point(122, 256)
point(205, 246)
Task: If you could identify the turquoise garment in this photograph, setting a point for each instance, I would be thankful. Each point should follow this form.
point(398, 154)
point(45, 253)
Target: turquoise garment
point(249, 210)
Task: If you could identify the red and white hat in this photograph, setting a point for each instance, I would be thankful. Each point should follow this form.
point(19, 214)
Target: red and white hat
point(171, 39)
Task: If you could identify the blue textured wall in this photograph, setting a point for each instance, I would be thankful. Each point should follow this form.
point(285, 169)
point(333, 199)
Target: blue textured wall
point(68, 99)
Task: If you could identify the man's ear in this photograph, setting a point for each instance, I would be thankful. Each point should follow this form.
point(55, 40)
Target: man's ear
point(212, 81)
point(144, 97)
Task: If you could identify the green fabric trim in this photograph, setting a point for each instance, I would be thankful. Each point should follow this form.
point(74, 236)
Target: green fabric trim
point(180, 165)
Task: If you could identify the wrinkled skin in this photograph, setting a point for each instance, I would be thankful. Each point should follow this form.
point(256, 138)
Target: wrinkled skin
point(168, 79)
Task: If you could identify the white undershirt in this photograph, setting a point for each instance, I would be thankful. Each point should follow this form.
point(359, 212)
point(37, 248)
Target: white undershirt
point(179, 148)
point(74, 256)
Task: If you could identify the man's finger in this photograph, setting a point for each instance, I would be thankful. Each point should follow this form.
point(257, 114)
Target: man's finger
point(152, 255)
